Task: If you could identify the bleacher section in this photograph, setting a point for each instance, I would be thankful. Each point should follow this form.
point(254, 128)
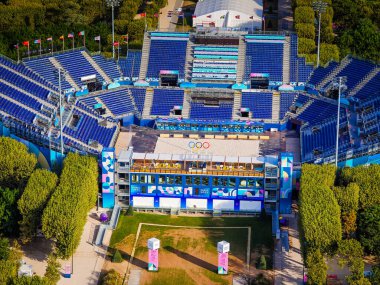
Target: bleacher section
point(164, 100)
point(138, 95)
point(321, 73)
point(214, 63)
point(109, 66)
point(355, 71)
point(372, 88)
point(130, 66)
point(264, 54)
point(299, 70)
point(16, 111)
point(46, 69)
point(117, 101)
point(259, 103)
point(286, 100)
point(167, 52)
point(202, 111)
point(88, 130)
point(318, 110)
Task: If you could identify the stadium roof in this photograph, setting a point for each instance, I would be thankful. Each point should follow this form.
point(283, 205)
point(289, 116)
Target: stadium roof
point(209, 6)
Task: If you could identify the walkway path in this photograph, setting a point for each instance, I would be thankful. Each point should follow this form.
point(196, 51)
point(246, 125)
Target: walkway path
point(88, 259)
point(169, 24)
point(289, 265)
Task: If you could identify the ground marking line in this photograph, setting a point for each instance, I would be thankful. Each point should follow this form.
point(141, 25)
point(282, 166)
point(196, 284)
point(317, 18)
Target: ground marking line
point(189, 227)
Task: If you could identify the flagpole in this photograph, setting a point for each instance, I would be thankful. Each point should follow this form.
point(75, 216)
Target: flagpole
point(40, 47)
point(51, 45)
point(73, 42)
point(158, 24)
point(63, 46)
point(84, 39)
point(99, 46)
point(28, 50)
point(18, 53)
point(145, 23)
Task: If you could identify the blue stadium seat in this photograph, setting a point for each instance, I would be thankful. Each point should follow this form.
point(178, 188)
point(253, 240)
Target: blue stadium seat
point(202, 111)
point(164, 100)
point(108, 65)
point(130, 66)
point(259, 103)
point(139, 97)
point(286, 100)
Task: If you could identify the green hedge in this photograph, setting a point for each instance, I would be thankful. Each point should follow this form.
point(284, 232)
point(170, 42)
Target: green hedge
point(306, 46)
point(65, 215)
point(305, 31)
point(304, 15)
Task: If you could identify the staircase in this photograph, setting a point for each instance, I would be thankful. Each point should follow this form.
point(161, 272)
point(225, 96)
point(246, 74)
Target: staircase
point(304, 107)
point(286, 61)
point(148, 103)
point(186, 104)
point(108, 112)
point(137, 112)
point(68, 76)
point(144, 57)
point(96, 66)
point(24, 106)
point(332, 74)
point(362, 83)
point(276, 106)
point(241, 61)
point(189, 61)
point(237, 105)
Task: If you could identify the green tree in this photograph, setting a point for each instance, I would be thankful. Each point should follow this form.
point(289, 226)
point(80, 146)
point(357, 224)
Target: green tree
point(306, 46)
point(263, 263)
point(329, 52)
point(9, 215)
point(306, 31)
point(4, 248)
point(369, 229)
point(52, 270)
point(10, 266)
point(16, 164)
point(304, 15)
point(117, 258)
point(316, 268)
point(112, 278)
point(350, 253)
point(38, 190)
point(348, 197)
point(368, 179)
point(65, 214)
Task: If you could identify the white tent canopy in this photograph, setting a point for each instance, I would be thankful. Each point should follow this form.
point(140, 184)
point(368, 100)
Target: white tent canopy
point(229, 13)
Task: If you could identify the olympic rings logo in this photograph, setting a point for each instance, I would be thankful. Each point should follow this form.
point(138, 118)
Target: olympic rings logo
point(199, 145)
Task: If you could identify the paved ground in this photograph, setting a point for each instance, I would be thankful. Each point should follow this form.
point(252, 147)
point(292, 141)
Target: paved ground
point(169, 24)
point(289, 265)
point(88, 259)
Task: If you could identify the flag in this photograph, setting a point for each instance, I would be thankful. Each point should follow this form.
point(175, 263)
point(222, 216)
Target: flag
point(209, 16)
point(62, 37)
point(251, 17)
point(97, 38)
point(194, 16)
point(115, 44)
point(237, 17)
point(25, 43)
point(222, 17)
point(70, 35)
point(81, 33)
point(143, 14)
point(49, 39)
point(37, 41)
point(180, 15)
point(125, 38)
point(16, 46)
point(157, 14)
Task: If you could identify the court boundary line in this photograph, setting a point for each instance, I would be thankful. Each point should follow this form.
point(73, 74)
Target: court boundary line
point(127, 272)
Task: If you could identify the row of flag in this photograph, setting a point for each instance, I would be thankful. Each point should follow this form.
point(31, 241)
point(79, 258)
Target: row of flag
point(223, 16)
point(70, 36)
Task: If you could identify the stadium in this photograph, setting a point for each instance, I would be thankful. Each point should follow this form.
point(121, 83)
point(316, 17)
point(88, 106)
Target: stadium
point(202, 88)
point(215, 122)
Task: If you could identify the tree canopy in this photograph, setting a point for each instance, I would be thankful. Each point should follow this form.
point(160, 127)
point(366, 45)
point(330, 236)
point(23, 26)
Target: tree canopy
point(65, 214)
point(369, 229)
point(16, 163)
point(9, 214)
point(33, 201)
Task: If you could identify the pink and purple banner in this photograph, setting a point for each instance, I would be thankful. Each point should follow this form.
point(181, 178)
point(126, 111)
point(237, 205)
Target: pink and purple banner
point(153, 260)
point(222, 262)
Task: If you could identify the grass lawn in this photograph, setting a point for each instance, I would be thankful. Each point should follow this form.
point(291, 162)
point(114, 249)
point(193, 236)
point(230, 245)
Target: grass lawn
point(261, 228)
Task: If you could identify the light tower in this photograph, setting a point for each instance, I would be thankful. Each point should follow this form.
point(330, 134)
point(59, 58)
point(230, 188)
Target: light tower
point(320, 7)
point(113, 4)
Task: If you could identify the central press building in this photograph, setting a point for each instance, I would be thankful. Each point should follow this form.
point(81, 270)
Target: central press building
point(242, 14)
